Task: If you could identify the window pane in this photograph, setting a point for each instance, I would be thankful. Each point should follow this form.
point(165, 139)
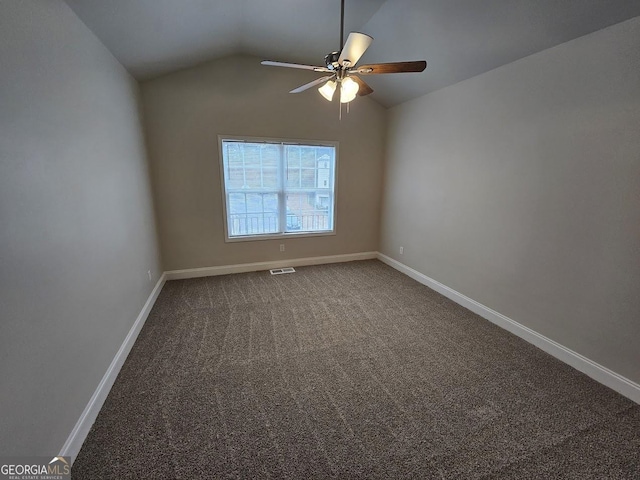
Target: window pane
point(234, 157)
point(294, 212)
point(270, 155)
point(236, 178)
point(327, 152)
point(293, 156)
point(325, 171)
point(270, 177)
point(308, 159)
point(293, 177)
point(254, 202)
point(270, 202)
point(251, 155)
point(253, 177)
point(307, 212)
point(322, 202)
point(308, 178)
point(237, 203)
point(253, 213)
point(236, 209)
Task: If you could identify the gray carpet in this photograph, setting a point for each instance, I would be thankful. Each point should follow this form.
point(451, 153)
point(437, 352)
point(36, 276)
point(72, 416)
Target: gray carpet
point(347, 371)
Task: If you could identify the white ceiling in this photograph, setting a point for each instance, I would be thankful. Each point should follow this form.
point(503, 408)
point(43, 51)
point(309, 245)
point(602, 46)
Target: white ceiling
point(458, 38)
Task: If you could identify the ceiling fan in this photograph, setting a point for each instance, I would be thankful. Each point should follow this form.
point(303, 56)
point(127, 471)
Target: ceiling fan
point(342, 67)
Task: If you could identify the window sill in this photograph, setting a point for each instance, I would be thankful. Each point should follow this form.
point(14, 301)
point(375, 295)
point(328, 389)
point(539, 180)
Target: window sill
point(279, 236)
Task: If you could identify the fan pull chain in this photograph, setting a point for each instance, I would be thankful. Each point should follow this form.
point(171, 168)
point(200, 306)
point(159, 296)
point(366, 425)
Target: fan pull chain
point(348, 109)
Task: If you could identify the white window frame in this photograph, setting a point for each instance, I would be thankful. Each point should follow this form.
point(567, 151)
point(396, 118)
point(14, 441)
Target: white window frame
point(282, 141)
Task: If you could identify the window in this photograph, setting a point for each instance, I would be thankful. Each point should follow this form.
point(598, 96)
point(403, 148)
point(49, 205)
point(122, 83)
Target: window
point(275, 188)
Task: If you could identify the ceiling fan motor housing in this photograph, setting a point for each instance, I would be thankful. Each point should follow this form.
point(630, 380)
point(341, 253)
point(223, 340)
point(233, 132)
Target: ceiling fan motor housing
point(331, 60)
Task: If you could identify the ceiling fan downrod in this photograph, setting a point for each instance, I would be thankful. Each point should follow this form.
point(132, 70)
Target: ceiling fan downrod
point(341, 25)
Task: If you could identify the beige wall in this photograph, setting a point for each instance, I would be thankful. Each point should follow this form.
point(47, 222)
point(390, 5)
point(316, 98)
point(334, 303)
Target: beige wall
point(185, 112)
point(520, 188)
point(77, 234)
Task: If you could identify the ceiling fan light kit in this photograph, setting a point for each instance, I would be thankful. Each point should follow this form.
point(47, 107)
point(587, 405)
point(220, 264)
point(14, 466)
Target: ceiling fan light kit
point(342, 68)
point(348, 89)
point(328, 89)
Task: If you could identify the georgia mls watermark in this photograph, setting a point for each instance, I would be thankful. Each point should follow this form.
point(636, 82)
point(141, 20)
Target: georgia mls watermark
point(35, 468)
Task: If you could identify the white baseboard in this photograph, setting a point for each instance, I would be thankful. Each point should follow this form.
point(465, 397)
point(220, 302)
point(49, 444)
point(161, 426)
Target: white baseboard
point(258, 266)
point(79, 433)
point(581, 363)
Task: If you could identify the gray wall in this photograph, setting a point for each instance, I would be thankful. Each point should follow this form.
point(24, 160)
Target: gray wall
point(185, 112)
point(520, 188)
point(77, 234)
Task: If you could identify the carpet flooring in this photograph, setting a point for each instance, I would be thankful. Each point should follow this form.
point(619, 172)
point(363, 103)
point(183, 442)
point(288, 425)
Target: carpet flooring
point(344, 371)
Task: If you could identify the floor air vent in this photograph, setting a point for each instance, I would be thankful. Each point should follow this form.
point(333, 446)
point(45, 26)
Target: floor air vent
point(280, 271)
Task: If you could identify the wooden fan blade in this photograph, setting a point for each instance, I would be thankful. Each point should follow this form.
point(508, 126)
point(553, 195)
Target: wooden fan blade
point(354, 48)
point(307, 86)
point(364, 88)
point(397, 67)
point(294, 65)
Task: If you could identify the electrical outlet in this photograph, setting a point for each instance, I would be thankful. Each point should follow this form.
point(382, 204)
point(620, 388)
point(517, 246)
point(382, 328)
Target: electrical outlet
point(282, 247)
point(401, 250)
point(149, 274)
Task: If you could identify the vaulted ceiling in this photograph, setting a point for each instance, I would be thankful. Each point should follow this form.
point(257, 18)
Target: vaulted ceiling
point(458, 38)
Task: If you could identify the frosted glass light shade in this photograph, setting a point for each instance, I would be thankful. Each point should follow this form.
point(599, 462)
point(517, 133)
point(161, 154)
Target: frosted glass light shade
point(328, 89)
point(348, 89)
